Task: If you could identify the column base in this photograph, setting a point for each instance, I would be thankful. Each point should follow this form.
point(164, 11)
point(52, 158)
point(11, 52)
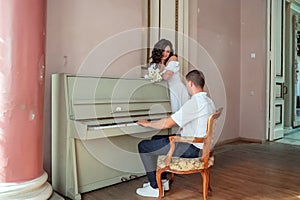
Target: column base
point(36, 189)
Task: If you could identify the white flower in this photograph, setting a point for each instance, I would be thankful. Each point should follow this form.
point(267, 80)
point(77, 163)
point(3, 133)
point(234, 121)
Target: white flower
point(155, 75)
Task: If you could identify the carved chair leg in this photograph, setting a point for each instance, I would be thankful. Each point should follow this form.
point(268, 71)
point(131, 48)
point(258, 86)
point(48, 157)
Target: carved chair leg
point(204, 175)
point(159, 183)
point(171, 178)
point(209, 187)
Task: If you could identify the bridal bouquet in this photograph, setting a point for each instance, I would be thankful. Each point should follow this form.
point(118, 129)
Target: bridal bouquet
point(155, 75)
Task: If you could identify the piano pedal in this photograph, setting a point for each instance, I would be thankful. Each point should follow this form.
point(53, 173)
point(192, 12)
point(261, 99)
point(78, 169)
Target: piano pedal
point(133, 176)
point(124, 179)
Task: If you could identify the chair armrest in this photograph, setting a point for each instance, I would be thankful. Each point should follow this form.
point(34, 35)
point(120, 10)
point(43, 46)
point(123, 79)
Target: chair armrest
point(187, 139)
point(174, 139)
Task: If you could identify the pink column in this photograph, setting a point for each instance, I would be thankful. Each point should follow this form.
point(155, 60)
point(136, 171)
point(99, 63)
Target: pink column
point(22, 68)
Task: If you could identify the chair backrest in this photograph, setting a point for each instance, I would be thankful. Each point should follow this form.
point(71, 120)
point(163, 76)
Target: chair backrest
point(210, 129)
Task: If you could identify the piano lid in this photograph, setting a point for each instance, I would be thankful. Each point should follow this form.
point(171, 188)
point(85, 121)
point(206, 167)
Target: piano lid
point(97, 98)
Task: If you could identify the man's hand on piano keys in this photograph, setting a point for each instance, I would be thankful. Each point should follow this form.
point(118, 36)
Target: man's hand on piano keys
point(143, 122)
point(157, 124)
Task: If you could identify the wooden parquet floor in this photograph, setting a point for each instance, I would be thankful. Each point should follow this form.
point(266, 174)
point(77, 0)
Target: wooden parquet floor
point(243, 171)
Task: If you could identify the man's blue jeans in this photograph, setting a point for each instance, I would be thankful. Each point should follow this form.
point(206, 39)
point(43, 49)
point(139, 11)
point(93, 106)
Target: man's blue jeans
point(150, 150)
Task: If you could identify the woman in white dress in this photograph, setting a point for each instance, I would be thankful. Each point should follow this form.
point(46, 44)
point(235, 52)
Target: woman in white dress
point(164, 59)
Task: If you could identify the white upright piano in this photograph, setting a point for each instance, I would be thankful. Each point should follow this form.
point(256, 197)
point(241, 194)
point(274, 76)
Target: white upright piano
point(94, 130)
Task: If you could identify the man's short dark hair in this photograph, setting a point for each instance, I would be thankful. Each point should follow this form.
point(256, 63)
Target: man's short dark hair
point(197, 77)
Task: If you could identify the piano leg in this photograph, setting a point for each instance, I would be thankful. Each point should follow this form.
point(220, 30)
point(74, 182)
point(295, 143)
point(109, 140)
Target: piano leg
point(73, 190)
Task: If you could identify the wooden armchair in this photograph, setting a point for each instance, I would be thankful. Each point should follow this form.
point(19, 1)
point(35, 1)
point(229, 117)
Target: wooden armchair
point(176, 165)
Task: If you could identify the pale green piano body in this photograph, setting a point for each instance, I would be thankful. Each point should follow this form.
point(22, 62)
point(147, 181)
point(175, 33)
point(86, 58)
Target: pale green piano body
point(94, 134)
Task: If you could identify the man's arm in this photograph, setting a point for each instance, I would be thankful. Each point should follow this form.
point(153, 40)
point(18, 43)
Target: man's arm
point(163, 123)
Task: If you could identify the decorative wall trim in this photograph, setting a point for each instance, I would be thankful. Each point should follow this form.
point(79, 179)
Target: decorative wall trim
point(176, 25)
point(279, 90)
point(278, 114)
point(171, 23)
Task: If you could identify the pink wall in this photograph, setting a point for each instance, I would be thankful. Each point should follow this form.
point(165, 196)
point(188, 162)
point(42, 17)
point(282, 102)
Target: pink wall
point(253, 70)
point(219, 33)
point(231, 30)
point(22, 36)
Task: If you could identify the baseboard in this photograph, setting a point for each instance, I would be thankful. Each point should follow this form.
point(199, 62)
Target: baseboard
point(251, 140)
point(240, 140)
point(224, 142)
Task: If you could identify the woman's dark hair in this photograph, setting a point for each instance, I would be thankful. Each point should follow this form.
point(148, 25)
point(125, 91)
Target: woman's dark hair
point(197, 77)
point(159, 48)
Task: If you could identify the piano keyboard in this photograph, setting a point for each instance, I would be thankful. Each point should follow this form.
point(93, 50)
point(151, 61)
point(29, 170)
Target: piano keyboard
point(101, 127)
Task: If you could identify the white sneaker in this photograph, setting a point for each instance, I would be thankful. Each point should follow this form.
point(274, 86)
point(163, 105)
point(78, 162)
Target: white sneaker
point(165, 184)
point(148, 191)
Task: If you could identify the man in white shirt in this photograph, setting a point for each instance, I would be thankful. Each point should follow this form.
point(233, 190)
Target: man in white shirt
point(191, 117)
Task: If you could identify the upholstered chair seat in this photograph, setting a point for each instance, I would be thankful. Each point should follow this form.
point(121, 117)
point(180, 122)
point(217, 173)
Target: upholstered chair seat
point(184, 164)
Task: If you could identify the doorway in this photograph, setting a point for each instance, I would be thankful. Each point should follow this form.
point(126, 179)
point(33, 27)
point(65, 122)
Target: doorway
point(283, 69)
point(292, 62)
point(291, 65)
point(295, 70)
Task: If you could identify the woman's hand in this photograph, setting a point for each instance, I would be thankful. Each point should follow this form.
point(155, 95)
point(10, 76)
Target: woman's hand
point(167, 75)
